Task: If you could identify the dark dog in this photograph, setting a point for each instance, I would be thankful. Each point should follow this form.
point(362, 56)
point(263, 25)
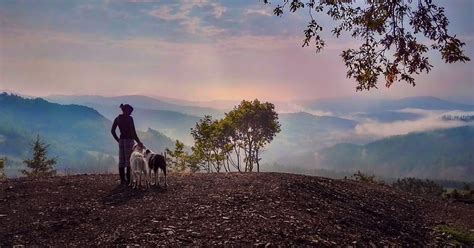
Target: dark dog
point(155, 162)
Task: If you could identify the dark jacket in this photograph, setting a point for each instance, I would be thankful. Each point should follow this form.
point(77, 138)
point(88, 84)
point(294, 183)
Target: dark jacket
point(126, 127)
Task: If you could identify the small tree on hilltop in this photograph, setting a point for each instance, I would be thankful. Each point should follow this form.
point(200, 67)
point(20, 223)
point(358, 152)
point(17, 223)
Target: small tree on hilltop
point(178, 158)
point(211, 144)
point(40, 165)
point(255, 124)
point(237, 139)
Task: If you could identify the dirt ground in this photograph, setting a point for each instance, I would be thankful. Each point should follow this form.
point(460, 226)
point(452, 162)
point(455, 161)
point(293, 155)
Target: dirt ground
point(234, 209)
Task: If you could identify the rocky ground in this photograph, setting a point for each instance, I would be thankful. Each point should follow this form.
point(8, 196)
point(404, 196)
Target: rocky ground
point(262, 209)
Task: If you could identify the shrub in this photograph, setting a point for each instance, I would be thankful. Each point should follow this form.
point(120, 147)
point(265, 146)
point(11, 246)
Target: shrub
point(466, 187)
point(418, 186)
point(361, 177)
point(3, 162)
point(461, 195)
point(460, 236)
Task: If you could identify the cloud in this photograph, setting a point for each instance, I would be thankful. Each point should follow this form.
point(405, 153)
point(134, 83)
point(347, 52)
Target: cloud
point(258, 12)
point(218, 10)
point(199, 44)
point(194, 24)
point(431, 120)
point(167, 13)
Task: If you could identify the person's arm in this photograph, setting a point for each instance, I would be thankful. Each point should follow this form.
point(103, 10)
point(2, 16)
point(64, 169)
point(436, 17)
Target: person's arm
point(114, 127)
point(135, 136)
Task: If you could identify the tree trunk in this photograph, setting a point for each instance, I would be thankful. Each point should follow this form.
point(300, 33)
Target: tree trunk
point(257, 160)
point(250, 160)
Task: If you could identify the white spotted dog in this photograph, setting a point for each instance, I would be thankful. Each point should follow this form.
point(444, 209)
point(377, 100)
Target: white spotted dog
point(155, 163)
point(139, 168)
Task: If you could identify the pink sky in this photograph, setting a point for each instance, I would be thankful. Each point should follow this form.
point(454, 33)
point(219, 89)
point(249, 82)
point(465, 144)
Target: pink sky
point(40, 54)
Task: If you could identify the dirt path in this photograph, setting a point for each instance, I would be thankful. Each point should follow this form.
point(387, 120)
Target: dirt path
point(220, 209)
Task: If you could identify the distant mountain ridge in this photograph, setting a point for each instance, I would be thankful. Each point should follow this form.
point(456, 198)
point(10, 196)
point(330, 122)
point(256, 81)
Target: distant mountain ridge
point(77, 134)
point(137, 101)
point(173, 124)
point(304, 119)
point(358, 104)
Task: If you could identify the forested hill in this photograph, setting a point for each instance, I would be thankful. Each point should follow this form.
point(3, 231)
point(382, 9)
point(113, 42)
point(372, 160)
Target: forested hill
point(77, 134)
point(443, 154)
point(79, 125)
point(224, 209)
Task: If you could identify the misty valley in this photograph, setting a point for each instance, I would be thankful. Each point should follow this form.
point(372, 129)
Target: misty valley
point(423, 137)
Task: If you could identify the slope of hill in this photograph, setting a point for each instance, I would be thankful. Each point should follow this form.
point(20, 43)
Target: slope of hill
point(254, 209)
point(28, 117)
point(443, 154)
point(303, 120)
point(76, 133)
point(388, 116)
point(137, 101)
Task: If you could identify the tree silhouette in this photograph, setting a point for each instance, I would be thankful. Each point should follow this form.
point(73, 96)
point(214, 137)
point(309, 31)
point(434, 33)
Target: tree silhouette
point(390, 32)
point(40, 165)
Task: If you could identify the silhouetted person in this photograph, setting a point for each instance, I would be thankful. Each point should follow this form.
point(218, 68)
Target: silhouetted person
point(128, 136)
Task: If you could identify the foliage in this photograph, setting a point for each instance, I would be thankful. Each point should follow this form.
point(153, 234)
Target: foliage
point(211, 143)
point(238, 139)
point(392, 35)
point(466, 187)
point(3, 164)
point(462, 237)
point(361, 177)
point(253, 125)
point(40, 164)
point(465, 195)
point(418, 186)
point(194, 162)
point(179, 159)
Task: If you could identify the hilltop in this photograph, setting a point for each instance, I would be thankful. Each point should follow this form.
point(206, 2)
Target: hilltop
point(221, 209)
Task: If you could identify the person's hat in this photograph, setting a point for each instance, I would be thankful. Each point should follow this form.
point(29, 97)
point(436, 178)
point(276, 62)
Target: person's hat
point(126, 107)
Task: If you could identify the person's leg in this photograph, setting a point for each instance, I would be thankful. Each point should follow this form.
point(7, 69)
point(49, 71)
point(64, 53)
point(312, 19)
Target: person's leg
point(128, 149)
point(122, 162)
point(128, 174)
point(122, 175)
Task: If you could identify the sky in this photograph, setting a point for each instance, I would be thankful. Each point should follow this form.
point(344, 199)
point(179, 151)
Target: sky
point(194, 50)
